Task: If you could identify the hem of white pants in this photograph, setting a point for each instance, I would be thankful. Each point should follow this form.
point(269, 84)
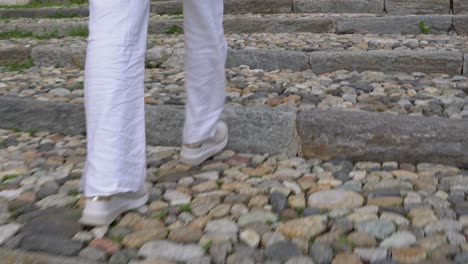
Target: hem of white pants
point(188, 139)
point(122, 187)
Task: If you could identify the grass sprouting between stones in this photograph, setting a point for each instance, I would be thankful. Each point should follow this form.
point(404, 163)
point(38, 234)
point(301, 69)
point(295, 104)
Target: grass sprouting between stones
point(207, 245)
point(79, 32)
point(19, 67)
point(9, 177)
point(173, 30)
point(185, 207)
point(424, 28)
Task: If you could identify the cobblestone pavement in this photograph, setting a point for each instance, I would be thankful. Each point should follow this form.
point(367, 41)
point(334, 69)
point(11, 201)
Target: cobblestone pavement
point(400, 93)
point(290, 41)
point(236, 208)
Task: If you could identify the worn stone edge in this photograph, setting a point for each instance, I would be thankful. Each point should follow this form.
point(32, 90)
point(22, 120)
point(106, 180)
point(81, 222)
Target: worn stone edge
point(26, 113)
point(163, 123)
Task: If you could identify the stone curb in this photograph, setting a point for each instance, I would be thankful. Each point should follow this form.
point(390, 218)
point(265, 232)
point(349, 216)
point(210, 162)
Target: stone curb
point(393, 7)
point(323, 134)
point(449, 62)
point(383, 137)
point(259, 130)
point(18, 256)
point(437, 24)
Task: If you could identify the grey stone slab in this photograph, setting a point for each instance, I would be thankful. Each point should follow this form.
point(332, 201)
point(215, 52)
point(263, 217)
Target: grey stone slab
point(438, 24)
point(162, 26)
point(51, 27)
point(401, 7)
point(14, 54)
point(380, 137)
point(338, 6)
point(54, 245)
point(388, 61)
point(166, 7)
point(268, 59)
point(280, 25)
point(19, 256)
point(257, 6)
point(461, 24)
point(28, 114)
point(460, 7)
point(53, 55)
point(255, 129)
point(51, 12)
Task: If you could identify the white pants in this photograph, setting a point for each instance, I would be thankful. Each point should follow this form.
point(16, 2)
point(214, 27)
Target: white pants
point(114, 87)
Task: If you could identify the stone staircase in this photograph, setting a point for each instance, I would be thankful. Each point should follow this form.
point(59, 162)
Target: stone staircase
point(323, 37)
point(366, 82)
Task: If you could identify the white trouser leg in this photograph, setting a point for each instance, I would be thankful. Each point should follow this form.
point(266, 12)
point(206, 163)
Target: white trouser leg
point(114, 96)
point(205, 57)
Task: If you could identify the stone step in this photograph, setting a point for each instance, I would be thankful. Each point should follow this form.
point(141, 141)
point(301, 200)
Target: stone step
point(379, 116)
point(431, 95)
point(392, 7)
point(279, 23)
point(331, 134)
point(319, 52)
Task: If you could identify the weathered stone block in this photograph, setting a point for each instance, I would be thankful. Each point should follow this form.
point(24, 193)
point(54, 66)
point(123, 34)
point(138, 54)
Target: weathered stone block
point(28, 114)
point(401, 7)
point(279, 25)
point(393, 25)
point(230, 7)
point(388, 61)
point(52, 55)
point(338, 6)
point(13, 54)
point(380, 137)
point(258, 130)
point(461, 24)
point(460, 7)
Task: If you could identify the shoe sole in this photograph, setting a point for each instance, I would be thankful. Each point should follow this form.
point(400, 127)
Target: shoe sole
point(107, 219)
point(197, 160)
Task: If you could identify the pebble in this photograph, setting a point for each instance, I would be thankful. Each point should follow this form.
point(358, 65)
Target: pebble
point(250, 237)
point(282, 251)
point(335, 199)
point(399, 239)
point(321, 253)
point(307, 227)
point(170, 250)
point(380, 229)
point(409, 254)
point(7, 231)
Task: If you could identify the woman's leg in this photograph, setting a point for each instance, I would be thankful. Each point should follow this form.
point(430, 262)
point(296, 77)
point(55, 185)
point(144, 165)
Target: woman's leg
point(114, 97)
point(205, 58)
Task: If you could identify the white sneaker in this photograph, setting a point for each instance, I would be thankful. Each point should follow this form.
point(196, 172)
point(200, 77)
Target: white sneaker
point(195, 154)
point(103, 210)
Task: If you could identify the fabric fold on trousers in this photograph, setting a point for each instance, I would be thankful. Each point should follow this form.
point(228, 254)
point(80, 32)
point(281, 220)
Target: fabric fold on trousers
point(114, 87)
